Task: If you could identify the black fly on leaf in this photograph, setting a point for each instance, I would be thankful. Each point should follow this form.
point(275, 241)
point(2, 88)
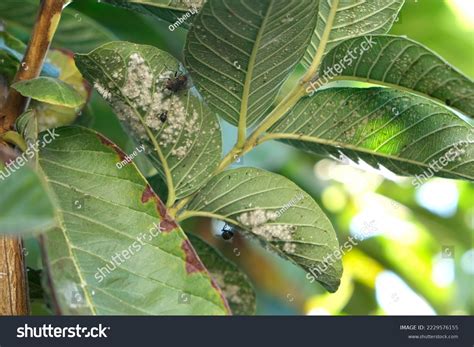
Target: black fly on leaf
point(227, 232)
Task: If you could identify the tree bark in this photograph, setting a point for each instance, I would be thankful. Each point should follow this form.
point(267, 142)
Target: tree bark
point(13, 281)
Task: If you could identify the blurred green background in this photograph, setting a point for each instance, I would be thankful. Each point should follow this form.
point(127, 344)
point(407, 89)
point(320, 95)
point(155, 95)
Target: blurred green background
point(418, 257)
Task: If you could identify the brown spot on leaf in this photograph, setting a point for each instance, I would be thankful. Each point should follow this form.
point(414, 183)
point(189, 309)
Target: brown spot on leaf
point(193, 263)
point(148, 194)
point(167, 223)
point(112, 145)
point(221, 294)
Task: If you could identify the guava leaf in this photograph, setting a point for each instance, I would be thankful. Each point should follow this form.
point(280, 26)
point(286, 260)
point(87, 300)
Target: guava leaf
point(185, 146)
point(386, 128)
point(168, 10)
point(25, 205)
point(339, 20)
point(234, 283)
point(50, 115)
point(51, 91)
point(240, 54)
point(401, 63)
point(116, 251)
point(276, 212)
point(27, 126)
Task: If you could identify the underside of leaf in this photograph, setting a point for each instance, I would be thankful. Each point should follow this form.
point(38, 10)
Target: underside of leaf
point(239, 53)
point(180, 134)
point(401, 132)
point(234, 283)
point(276, 212)
point(339, 20)
point(399, 62)
point(116, 250)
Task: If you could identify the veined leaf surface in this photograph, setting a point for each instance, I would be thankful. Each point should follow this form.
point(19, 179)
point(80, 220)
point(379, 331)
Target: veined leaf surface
point(186, 145)
point(116, 251)
point(239, 53)
point(402, 132)
point(279, 214)
point(399, 62)
point(339, 20)
point(168, 10)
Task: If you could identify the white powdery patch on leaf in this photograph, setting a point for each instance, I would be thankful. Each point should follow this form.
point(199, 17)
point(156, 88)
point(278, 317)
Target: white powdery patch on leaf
point(104, 92)
point(127, 114)
point(256, 217)
point(148, 101)
point(138, 86)
point(231, 291)
point(289, 247)
point(180, 126)
point(257, 222)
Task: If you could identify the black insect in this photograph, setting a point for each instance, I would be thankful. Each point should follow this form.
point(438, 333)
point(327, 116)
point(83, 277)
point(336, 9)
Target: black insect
point(177, 83)
point(227, 232)
point(163, 116)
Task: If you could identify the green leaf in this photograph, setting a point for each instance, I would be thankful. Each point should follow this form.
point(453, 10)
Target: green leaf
point(51, 91)
point(76, 31)
point(234, 283)
point(239, 55)
point(278, 213)
point(27, 125)
point(401, 63)
point(186, 148)
point(401, 132)
point(53, 116)
point(25, 205)
point(339, 20)
point(168, 10)
point(103, 212)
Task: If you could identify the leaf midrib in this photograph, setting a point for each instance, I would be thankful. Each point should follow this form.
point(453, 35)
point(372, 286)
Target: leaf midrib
point(251, 67)
point(164, 162)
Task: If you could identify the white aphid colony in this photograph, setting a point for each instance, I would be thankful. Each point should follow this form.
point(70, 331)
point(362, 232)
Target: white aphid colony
point(257, 222)
point(147, 99)
point(231, 291)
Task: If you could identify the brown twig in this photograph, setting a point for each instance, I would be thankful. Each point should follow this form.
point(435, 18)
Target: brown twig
point(41, 37)
point(13, 281)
